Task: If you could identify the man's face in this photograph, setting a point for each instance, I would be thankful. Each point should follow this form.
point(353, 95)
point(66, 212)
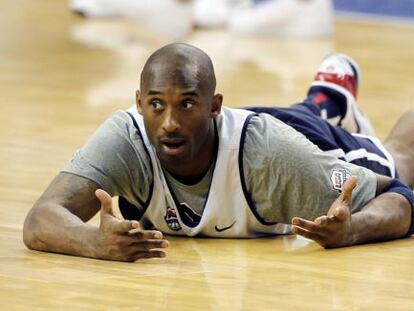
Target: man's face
point(178, 118)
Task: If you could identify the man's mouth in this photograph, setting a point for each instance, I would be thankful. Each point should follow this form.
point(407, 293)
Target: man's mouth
point(172, 146)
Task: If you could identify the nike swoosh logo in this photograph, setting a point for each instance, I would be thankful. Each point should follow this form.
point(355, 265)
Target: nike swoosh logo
point(225, 228)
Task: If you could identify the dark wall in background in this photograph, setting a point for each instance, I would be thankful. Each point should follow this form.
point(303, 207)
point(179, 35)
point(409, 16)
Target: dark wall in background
point(397, 8)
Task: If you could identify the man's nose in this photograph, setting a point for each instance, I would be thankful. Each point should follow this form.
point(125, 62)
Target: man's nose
point(170, 123)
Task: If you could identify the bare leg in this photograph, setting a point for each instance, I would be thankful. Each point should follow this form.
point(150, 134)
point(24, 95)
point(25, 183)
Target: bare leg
point(400, 143)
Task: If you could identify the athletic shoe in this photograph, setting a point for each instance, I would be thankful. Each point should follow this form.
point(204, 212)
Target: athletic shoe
point(287, 18)
point(335, 89)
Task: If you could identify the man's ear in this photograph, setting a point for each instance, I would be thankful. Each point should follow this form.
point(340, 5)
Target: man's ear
point(216, 105)
point(138, 101)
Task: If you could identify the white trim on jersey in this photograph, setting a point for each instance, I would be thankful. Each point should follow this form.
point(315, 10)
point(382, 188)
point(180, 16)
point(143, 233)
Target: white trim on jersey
point(227, 212)
point(337, 153)
point(363, 153)
point(380, 146)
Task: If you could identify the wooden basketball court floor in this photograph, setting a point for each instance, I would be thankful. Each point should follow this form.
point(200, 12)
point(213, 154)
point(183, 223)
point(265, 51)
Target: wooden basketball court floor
point(62, 75)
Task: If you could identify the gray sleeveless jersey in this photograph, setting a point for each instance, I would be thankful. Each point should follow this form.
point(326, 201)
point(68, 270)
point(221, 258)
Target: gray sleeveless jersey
point(285, 174)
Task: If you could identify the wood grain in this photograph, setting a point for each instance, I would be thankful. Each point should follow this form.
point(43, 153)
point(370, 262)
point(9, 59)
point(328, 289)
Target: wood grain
point(61, 75)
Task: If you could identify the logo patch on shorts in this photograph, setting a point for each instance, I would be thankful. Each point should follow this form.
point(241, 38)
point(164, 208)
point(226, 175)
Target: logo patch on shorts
point(338, 179)
point(171, 219)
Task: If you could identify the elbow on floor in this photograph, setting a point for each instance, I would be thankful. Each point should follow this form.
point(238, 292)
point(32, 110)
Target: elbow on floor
point(30, 232)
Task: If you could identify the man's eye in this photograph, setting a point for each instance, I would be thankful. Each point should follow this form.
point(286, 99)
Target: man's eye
point(188, 104)
point(156, 104)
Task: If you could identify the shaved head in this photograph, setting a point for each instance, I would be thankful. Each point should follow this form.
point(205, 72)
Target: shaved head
point(180, 64)
point(178, 105)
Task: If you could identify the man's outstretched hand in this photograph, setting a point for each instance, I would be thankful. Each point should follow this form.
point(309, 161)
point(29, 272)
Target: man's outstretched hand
point(334, 229)
point(124, 240)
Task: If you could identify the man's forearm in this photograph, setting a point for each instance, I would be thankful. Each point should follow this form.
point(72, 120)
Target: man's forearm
point(53, 228)
point(386, 217)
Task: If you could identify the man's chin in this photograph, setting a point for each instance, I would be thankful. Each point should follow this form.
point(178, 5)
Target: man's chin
point(168, 160)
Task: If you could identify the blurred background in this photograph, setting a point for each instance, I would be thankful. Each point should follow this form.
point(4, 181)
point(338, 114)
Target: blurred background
point(65, 66)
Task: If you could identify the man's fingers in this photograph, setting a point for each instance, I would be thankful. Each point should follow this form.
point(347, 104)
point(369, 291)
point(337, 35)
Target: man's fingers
point(307, 234)
point(106, 201)
point(322, 221)
point(346, 194)
point(150, 244)
point(149, 254)
point(124, 226)
point(306, 224)
point(323, 224)
point(146, 234)
point(341, 213)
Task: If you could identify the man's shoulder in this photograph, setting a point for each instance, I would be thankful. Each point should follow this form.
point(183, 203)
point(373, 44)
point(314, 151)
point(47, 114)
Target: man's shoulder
point(271, 137)
point(264, 125)
point(116, 134)
point(119, 118)
point(119, 123)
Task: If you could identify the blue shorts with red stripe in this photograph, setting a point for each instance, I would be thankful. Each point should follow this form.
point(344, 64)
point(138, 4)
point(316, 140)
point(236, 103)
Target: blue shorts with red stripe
point(358, 149)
